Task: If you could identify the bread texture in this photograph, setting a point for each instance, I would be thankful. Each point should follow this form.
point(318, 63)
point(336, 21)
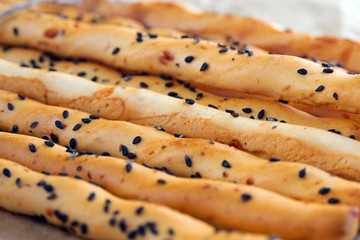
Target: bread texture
point(266, 110)
point(221, 204)
point(91, 212)
point(235, 28)
point(276, 76)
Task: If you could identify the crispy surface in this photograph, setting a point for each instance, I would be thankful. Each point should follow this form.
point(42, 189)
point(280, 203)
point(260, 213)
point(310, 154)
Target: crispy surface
point(67, 205)
point(245, 107)
point(254, 31)
point(163, 151)
point(216, 202)
point(269, 75)
point(328, 151)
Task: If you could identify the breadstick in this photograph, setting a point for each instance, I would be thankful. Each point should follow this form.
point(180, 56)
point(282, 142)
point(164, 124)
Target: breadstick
point(296, 79)
point(235, 28)
point(251, 108)
point(93, 213)
point(330, 152)
point(141, 183)
point(160, 150)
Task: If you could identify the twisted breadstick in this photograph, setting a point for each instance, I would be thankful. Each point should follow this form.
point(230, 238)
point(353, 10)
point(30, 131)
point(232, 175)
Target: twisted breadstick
point(254, 31)
point(325, 150)
point(132, 181)
point(183, 157)
point(250, 108)
point(281, 77)
point(91, 212)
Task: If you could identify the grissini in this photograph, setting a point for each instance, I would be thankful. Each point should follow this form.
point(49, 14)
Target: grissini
point(182, 157)
point(259, 33)
point(93, 213)
point(277, 76)
point(266, 110)
point(221, 203)
point(328, 151)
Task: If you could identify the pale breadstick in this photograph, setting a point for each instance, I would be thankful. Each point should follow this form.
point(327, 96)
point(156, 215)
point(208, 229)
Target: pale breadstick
point(330, 152)
point(93, 213)
point(276, 76)
point(235, 28)
point(183, 157)
point(279, 215)
point(265, 110)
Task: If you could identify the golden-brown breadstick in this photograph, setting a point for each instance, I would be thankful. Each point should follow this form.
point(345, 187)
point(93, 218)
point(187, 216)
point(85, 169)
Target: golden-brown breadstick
point(93, 213)
point(266, 110)
point(330, 152)
point(234, 28)
point(281, 77)
point(221, 203)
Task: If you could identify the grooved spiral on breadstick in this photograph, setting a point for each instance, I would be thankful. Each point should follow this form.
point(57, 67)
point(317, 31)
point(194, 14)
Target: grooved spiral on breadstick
point(328, 151)
point(254, 31)
point(91, 212)
point(223, 204)
point(245, 107)
point(281, 77)
point(183, 157)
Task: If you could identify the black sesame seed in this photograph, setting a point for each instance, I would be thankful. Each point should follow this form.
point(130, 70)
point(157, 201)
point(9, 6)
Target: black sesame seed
point(54, 138)
point(18, 182)
point(250, 53)
point(128, 167)
point(328, 70)
point(112, 222)
point(49, 188)
point(122, 225)
point(116, 51)
point(212, 106)
point(223, 50)
point(132, 234)
point(77, 127)
point(204, 66)
point(86, 120)
point(352, 136)
point(94, 117)
point(325, 65)
point(49, 144)
point(160, 128)
point(81, 74)
point(226, 164)
point(63, 174)
point(241, 51)
point(124, 150)
point(59, 124)
point(22, 97)
point(229, 111)
point(10, 106)
point(283, 101)
point(62, 217)
point(34, 124)
point(32, 147)
point(161, 181)
point(6, 48)
point(172, 94)
point(245, 197)
point(15, 129)
point(16, 31)
point(302, 173)
point(143, 85)
point(247, 110)
point(171, 231)
point(105, 154)
point(333, 201)
point(335, 95)
point(324, 190)
point(302, 71)
point(91, 196)
point(65, 114)
point(235, 115)
point(271, 119)
point(189, 59)
point(221, 45)
point(151, 35)
point(189, 101)
point(319, 88)
point(131, 155)
point(136, 140)
point(72, 142)
point(139, 211)
point(274, 159)
point(84, 228)
point(94, 79)
point(7, 172)
point(261, 114)
point(188, 161)
point(199, 96)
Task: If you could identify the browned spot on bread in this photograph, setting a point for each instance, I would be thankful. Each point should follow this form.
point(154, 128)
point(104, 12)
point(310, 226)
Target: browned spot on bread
point(166, 57)
point(250, 181)
point(236, 144)
point(51, 33)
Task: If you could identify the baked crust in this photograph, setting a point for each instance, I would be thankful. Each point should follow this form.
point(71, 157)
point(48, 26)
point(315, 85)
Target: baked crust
point(220, 27)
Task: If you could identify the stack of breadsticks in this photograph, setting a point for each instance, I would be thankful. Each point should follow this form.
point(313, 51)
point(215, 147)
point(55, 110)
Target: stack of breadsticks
point(119, 122)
